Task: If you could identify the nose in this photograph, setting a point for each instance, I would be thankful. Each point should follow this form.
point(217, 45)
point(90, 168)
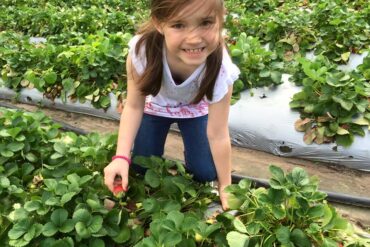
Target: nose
point(194, 36)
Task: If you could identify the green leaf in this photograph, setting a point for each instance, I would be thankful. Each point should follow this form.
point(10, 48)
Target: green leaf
point(236, 52)
point(236, 239)
point(276, 77)
point(123, 235)
point(4, 182)
point(67, 226)
point(50, 77)
point(59, 216)
point(300, 176)
point(82, 230)
point(7, 153)
point(277, 173)
point(152, 178)
point(96, 224)
point(49, 229)
point(67, 197)
point(15, 146)
point(234, 201)
point(316, 211)
point(239, 226)
point(32, 205)
point(19, 229)
point(278, 212)
point(344, 103)
point(31, 157)
point(345, 56)
point(283, 234)
point(82, 215)
point(300, 239)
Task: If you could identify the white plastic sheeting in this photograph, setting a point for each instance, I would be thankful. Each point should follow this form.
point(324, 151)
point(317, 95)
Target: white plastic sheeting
point(265, 122)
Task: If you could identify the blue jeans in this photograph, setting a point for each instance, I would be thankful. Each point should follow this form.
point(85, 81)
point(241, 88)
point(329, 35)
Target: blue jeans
point(151, 138)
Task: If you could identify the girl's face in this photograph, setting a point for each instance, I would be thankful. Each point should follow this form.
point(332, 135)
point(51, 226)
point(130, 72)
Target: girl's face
point(191, 35)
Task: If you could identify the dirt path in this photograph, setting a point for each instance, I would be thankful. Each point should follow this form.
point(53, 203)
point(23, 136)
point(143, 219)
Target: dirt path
point(246, 162)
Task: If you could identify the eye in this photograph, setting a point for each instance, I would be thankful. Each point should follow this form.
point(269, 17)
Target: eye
point(207, 23)
point(178, 26)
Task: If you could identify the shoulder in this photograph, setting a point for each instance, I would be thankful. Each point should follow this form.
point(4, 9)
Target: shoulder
point(138, 59)
point(229, 72)
point(227, 75)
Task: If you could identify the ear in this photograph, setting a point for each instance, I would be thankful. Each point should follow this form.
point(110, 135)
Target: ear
point(157, 25)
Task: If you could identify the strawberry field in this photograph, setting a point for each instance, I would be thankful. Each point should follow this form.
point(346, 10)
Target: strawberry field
point(51, 189)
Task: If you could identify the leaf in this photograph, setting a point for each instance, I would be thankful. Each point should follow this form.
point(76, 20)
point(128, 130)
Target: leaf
point(32, 205)
point(278, 212)
point(67, 197)
point(300, 239)
point(152, 178)
point(234, 202)
point(239, 226)
point(342, 131)
point(96, 224)
point(81, 230)
point(277, 173)
point(7, 153)
point(19, 229)
point(4, 182)
point(316, 211)
point(50, 77)
point(15, 146)
point(345, 56)
point(236, 52)
point(303, 124)
point(283, 234)
point(276, 77)
point(59, 216)
point(236, 239)
point(82, 215)
point(300, 176)
point(49, 229)
point(344, 103)
point(67, 226)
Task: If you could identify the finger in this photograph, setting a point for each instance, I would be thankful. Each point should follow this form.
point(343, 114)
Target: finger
point(124, 182)
point(108, 180)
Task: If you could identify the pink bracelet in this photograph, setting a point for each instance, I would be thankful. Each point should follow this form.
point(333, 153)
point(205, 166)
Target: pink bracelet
point(122, 157)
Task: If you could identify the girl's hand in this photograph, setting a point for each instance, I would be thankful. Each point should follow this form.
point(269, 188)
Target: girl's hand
point(116, 175)
point(223, 197)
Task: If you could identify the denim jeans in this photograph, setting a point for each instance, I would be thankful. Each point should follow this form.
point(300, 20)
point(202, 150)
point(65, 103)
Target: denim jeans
point(151, 138)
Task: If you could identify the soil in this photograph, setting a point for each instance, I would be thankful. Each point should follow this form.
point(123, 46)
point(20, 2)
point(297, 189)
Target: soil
point(246, 162)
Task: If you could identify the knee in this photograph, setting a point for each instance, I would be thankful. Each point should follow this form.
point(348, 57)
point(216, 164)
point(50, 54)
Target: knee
point(203, 176)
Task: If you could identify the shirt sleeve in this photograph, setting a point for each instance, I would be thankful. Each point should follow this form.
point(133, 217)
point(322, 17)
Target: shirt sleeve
point(138, 60)
point(228, 74)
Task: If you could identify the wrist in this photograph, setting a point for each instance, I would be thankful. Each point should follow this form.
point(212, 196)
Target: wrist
point(123, 157)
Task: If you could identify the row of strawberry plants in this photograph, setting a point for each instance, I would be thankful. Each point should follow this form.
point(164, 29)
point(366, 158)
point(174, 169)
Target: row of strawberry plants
point(329, 27)
point(55, 20)
point(114, 4)
point(52, 194)
point(90, 69)
point(334, 105)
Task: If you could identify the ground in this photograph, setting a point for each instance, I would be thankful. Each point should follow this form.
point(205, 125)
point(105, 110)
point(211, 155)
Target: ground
point(247, 162)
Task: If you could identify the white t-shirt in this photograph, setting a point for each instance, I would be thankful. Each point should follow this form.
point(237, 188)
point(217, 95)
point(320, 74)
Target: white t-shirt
point(174, 100)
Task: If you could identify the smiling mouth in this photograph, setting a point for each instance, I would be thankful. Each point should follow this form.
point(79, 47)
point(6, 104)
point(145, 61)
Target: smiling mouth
point(194, 51)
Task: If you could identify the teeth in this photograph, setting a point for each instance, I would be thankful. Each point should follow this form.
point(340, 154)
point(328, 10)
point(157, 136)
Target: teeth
point(194, 50)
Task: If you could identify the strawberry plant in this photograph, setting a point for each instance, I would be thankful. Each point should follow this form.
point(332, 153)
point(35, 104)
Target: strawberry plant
point(259, 67)
point(334, 105)
point(292, 212)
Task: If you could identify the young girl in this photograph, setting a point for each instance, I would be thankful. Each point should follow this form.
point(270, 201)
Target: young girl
point(178, 71)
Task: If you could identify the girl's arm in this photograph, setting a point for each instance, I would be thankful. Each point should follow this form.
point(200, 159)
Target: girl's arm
point(219, 141)
point(129, 124)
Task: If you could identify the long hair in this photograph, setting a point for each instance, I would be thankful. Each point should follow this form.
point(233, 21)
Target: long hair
point(151, 79)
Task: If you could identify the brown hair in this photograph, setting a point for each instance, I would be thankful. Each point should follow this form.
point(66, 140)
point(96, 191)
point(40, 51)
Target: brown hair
point(151, 79)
